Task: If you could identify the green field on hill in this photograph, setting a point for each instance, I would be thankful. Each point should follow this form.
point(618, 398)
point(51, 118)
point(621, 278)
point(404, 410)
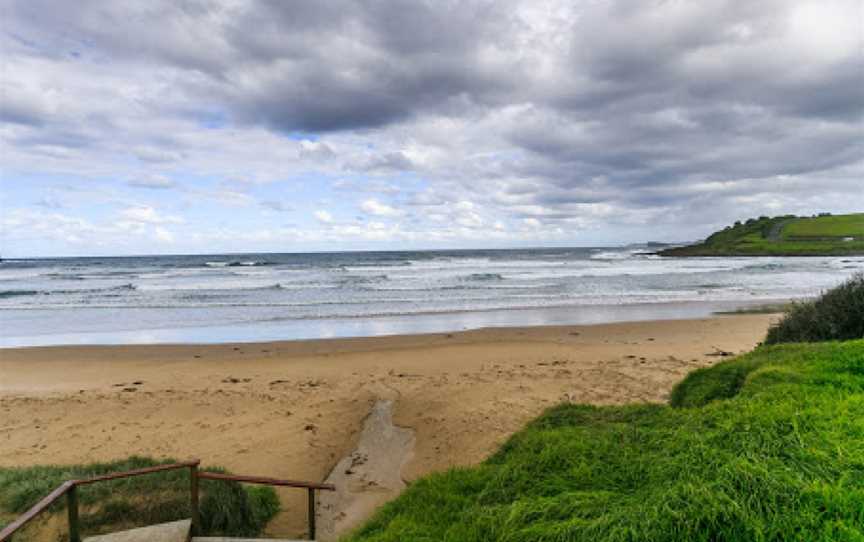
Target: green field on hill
point(825, 235)
point(826, 227)
point(766, 447)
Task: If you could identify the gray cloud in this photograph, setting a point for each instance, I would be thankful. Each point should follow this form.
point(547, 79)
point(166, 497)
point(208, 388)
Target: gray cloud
point(346, 65)
point(155, 182)
point(550, 111)
point(276, 205)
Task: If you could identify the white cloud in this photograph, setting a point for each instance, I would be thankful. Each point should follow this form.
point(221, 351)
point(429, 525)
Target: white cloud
point(469, 219)
point(80, 236)
point(315, 150)
point(375, 207)
point(148, 215)
point(233, 198)
point(324, 217)
point(164, 235)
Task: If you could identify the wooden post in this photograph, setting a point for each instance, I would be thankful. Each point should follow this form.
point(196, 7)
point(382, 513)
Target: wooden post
point(193, 486)
point(72, 512)
point(311, 493)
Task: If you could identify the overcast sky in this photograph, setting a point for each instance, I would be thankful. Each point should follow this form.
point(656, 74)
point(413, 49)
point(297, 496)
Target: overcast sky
point(209, 126)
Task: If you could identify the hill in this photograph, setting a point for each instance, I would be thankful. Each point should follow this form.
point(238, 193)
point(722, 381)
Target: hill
point(764, 447)
point(824, 235)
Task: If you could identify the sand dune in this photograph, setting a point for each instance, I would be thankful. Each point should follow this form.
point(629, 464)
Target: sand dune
point(297, 409)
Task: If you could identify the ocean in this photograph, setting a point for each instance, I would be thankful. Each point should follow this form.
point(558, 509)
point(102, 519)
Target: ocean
point(262, 297)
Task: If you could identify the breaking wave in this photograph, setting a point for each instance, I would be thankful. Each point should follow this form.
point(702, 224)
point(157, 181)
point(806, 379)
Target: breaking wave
point(21, 293)
point(484, 276)
point(237, 263)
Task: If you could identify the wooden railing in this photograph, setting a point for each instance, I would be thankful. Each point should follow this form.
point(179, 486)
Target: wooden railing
point(69, 488)
point(310, 489)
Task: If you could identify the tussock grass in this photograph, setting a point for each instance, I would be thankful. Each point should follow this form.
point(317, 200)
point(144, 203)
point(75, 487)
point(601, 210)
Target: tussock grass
point(836, 315)
point(765, 447)
point(226, 507)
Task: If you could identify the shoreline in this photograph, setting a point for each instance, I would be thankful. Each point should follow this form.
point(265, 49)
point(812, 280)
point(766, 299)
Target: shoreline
point(391, 325)
point(296, 409)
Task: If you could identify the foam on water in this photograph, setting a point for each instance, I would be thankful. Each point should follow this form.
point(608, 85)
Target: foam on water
point(79, 295)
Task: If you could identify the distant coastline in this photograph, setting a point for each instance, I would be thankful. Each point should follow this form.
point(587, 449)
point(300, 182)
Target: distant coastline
point(788, 235)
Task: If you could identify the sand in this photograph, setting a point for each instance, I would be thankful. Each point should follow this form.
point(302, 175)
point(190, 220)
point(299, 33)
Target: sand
point(316, 409)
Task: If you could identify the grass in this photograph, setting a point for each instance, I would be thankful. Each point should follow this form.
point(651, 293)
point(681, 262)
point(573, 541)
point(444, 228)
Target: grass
point(766, 447)
point(826, 226)
point(226, 508)
point(836, 315)
point(783, 236)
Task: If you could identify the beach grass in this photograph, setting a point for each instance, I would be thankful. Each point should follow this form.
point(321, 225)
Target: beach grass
point(766, 447)
point(227, 508)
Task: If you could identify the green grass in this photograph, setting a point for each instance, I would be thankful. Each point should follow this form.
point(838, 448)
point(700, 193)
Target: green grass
point(766, 447)
point(226, 507)
point(827, 226)
point(783, 236)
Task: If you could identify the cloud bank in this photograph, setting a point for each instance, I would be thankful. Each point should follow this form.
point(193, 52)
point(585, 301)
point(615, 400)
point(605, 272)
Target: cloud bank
point(311, 125)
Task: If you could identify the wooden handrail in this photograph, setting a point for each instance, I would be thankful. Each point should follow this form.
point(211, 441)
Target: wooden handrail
point(138, 472)
point(35, 510)
point(310, 488)
point(68, 488)
point(264, 481)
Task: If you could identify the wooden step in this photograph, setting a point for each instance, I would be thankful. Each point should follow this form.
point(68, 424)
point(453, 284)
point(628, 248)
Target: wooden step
point(176, 531)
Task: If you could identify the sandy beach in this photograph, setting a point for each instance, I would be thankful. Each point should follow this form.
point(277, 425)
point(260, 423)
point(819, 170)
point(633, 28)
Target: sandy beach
point(371, 414)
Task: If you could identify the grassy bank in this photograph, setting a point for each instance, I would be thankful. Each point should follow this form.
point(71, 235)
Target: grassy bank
point(783, 236)
point(226, 508)
point(837, 315)
point(769, 446)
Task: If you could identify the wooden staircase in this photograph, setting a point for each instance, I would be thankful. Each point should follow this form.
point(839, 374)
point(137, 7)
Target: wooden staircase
point(176, 531)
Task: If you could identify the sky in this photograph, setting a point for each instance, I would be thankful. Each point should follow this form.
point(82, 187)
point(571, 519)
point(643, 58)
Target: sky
point(175, 126)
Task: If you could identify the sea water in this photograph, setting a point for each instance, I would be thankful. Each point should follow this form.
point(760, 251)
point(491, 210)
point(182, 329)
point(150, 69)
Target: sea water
point(254, 297)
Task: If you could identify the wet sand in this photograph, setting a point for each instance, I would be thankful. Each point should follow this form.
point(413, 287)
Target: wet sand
point(351, 410)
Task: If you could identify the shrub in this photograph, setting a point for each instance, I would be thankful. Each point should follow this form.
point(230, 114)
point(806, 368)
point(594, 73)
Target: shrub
point(233, 510)
point(837, 315)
